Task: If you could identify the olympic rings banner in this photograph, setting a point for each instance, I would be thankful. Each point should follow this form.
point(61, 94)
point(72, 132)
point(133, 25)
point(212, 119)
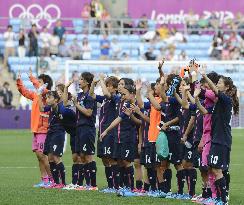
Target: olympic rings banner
point(45, 12)
point(176, 11)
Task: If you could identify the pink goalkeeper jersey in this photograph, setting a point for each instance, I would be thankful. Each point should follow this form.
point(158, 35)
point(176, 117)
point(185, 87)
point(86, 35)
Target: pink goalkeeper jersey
point(209, 102)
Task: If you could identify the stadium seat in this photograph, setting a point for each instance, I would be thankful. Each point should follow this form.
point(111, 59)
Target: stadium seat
point(80, 37)
point(16, 24)
point(70, 37)
point(151, 25)
point(93, 37)
point(78, 25)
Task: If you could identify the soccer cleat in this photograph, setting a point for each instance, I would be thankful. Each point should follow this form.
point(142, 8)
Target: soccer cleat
point(184, 196)
point(55, 186)
point(108, 190)
point(157, 194)
point(195, 198)
point(81, 188)
point(70, 187)
point(40, 184)
point(92, 188)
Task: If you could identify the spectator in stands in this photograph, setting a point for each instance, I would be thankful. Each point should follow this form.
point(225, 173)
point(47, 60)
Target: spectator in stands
point(7, 96)
point(216, 48)
point(191, 22)
point(150, 55)
point(161, 54)
point(74, 88)
point(170, 55)
point(127, 23)
point(85, 15)
point(98, 9)
point(104, 47)
point(63, 49)
point(54, 43)
point(235, 54)
point(33, 44)
point(59, 29)
point(75, 50)
point(105, 22)
point(143, 24)
point(115, 49)
point(21, 47)
point(9, 37)
point(163, 31)
point(86, 12)
point(45, 38)
point(85, 50)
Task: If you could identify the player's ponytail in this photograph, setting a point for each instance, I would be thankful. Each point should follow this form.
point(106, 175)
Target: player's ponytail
point(232, 92)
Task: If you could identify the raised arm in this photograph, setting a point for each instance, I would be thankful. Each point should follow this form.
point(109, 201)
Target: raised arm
point(23, 90)
point(137, 110)
point(92, 88)
point(153, 101)
point(86, 111)
point(197, 101)
point(34, 80)
point(162, 90)
point(212, 86)
point(185, 103)
point(178, 98)
point(66, 93)
point(104, 87)
point(40, 103)
point(138, 94)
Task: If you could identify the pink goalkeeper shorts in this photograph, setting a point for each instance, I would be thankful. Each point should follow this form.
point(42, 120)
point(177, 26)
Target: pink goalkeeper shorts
point(38, 141)
point(206, 149)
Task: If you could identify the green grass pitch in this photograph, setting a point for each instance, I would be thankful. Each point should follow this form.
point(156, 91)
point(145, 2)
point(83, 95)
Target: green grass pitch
point(18, 172)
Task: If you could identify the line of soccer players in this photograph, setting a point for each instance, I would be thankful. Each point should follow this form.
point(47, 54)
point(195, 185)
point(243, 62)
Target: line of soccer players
point(194, 115)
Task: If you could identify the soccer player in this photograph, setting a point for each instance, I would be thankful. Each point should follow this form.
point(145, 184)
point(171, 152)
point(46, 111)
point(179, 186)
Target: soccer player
point(105, 148)
point(69, 123)
point(219, 154)
point(125, 137)
point(86, 131)
point(39, 123)
point(54, 142)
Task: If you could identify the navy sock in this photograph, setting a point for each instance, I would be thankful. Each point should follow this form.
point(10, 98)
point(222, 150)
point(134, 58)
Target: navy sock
point(221, 189)
point(167, 180)
point(191, 178)
point(161, 186)
point(129, 174)
point(226, 174)
point(87, 174)
point(109, 176)
point(116, 177)
point(146, 186)
point(152, 178)
point(121, 176)
point(54, 171)
point(93, 173)
point(180, 180)
point(81, 175)
point(61, 171)
point(139, 184)
point(75, 173)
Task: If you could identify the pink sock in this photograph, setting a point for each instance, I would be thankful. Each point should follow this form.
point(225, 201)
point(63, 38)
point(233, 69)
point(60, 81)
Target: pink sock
point(45, 179)
point(211, 179)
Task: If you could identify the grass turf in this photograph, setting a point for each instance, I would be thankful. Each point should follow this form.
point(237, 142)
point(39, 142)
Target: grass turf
point(18, 172)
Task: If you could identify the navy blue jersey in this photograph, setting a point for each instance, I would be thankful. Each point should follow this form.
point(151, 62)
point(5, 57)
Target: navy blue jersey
point(145, 128)
point(184, 120)
point(171, 110)
point(87, 102)
point(55, 118)
point(198, 128)
point(107, 112)
point(66, 115)
point(126, 131)
point(221, 121)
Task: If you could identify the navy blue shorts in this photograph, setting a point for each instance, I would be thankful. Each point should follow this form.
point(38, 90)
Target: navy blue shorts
point(106, 147)
point(219, 157)
point(175, 153)
point(85, 140)
point(148, 156)
point(124, 151)
point(188, 154)
point(54, 143)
